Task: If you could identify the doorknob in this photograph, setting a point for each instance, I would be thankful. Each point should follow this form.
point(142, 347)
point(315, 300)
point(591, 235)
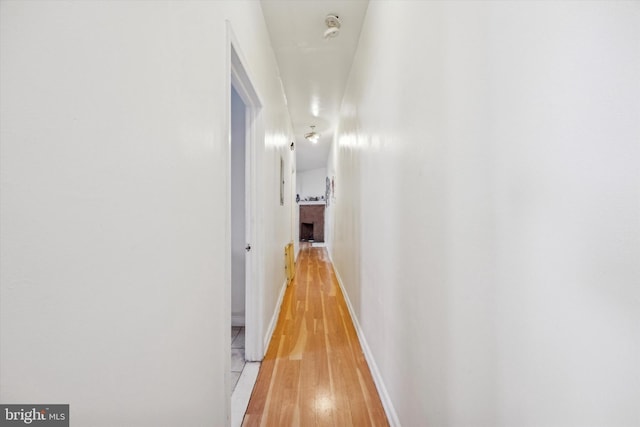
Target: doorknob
point(248, 248)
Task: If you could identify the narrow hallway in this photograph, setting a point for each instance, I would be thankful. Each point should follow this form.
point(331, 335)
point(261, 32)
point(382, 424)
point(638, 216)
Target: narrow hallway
point(314, 372)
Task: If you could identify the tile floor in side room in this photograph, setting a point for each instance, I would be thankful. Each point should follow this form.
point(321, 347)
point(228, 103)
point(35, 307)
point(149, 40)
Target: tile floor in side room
point(237, 354)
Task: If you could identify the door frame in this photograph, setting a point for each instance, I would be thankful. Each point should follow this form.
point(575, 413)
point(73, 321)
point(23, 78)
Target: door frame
point(238, 77)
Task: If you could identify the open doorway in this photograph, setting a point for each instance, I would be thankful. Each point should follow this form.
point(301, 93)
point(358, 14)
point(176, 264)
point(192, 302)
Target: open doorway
point(245, 248)
point(240, 245)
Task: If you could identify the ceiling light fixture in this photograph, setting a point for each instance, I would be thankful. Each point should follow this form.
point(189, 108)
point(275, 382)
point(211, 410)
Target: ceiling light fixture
point(333, 26)
point(312, 136)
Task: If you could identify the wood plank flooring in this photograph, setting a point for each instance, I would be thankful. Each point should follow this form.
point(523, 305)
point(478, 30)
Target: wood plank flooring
point(314, 372)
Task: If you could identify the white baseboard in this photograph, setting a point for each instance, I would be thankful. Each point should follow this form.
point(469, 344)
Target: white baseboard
point(237, 320)
point(274, 318)
point(392, 416)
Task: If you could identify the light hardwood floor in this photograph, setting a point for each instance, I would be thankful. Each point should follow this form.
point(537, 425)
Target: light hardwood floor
point(314, 372)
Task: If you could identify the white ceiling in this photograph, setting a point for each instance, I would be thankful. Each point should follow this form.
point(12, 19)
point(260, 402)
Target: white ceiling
point(314, 71)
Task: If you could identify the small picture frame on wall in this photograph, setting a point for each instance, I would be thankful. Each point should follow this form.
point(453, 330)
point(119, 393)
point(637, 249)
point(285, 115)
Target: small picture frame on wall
point(327, 194)
point(281, 181)
point(333, 187)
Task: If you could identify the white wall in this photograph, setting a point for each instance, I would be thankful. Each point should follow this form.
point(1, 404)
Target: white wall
point(311, 183)
point(114, 290)
point(487, 215)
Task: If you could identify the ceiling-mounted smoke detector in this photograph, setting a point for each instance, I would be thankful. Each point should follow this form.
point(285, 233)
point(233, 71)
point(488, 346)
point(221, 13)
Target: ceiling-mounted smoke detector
point(333, 26)
point(312, 136)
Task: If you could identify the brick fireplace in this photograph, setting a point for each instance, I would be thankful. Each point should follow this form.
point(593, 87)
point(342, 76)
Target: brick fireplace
point(312, 222)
